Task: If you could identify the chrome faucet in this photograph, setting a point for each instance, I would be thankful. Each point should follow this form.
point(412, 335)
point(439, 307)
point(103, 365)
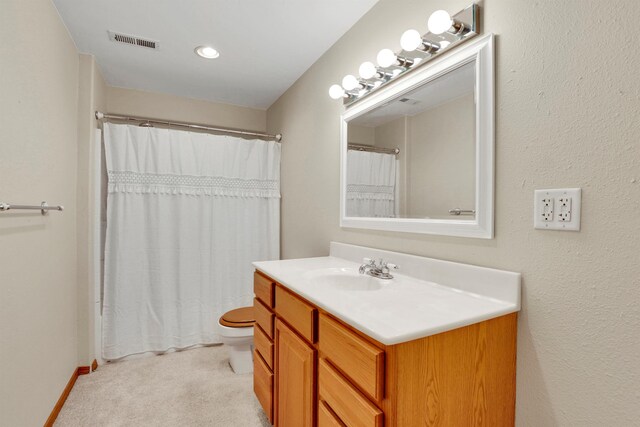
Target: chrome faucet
point(380, 271)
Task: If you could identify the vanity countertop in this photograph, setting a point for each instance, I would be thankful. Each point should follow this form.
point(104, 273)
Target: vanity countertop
point(406, 307)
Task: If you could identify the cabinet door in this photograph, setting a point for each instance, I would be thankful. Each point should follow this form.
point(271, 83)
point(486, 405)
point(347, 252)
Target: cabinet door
point(295, 373)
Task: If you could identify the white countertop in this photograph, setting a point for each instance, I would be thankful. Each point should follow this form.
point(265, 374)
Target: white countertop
point(404, 308)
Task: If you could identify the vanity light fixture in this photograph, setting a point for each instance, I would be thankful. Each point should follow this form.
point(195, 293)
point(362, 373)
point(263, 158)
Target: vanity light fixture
point(337, 92)
point(351, 83)
point(206, 52)
point(378, 75)
point(412, 40)
point(441, 22)
point(387, 58)
point(367, 70)
point(445, 32)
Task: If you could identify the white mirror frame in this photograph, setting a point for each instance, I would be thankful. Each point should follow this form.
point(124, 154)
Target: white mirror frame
point(481, 50)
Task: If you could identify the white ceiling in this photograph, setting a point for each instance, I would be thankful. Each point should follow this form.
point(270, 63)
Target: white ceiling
point(265, 45)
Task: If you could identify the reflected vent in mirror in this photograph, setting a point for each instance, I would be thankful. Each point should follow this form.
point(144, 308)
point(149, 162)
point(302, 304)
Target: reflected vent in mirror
point(409, 101)
point(133, 40)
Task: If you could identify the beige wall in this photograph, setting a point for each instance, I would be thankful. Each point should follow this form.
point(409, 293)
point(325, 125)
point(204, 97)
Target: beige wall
point(170, 107)
point(567, 115)
point(361, 135)
point(91, 97)
point(38, 161)
point(392, 134)
point(441, 163)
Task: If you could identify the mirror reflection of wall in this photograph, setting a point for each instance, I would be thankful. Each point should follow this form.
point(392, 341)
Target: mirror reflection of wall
point(434, 172)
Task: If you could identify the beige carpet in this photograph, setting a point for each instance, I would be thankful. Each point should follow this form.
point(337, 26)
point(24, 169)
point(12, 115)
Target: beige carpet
point(188, 388)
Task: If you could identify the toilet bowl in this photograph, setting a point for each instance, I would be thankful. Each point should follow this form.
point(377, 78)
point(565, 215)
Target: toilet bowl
point(236, 332)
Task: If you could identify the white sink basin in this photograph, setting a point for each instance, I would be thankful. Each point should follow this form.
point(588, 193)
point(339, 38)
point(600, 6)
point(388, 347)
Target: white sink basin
point(346, 279)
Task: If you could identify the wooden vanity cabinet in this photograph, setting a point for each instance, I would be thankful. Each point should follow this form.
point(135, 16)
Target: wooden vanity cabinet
point(347, 402)
point(263, 354)
point(294, 379)
point(355, 357)
point(263, 384)
point(296, 358)
point(325, 373)
point(326, 417)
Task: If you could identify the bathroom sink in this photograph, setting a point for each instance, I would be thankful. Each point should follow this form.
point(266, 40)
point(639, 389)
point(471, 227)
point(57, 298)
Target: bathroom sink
point(345, 279)
point(425, 297)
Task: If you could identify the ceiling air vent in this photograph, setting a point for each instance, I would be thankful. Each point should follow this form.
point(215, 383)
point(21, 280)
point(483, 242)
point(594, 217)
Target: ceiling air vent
point(133, 40)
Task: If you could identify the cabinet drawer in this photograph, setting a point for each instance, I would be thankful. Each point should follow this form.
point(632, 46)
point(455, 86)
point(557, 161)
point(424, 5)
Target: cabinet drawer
point(360, 360)
point(353, 408)
point(264, 317)
point(263, 288)
point(263, 385)
point(264, 346)
point(296, 313)
point(326, 417)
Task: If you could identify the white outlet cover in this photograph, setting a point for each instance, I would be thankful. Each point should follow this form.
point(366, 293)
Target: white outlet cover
point(565, 201)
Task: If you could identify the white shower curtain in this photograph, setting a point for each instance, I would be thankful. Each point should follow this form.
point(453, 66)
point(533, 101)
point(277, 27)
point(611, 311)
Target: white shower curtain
point(371, 184)
point(187, 213)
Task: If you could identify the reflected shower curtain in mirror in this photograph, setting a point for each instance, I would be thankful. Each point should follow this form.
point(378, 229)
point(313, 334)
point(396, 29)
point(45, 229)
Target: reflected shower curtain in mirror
point(187, 213)
point(371, 184)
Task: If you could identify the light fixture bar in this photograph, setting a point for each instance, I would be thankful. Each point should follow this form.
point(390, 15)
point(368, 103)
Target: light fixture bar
point(448, 32)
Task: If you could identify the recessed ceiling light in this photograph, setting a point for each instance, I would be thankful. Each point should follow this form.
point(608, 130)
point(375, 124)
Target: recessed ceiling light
point(207, 52)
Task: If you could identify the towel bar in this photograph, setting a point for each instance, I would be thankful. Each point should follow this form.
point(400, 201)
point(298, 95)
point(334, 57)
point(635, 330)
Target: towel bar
point(43, 207)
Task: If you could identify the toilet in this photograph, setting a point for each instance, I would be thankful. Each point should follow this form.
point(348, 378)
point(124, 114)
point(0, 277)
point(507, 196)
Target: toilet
point(236, 332)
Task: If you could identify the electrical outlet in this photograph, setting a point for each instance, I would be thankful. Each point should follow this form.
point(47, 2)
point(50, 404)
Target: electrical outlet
point(557, 209)
point(547, 209)
point(564, 209)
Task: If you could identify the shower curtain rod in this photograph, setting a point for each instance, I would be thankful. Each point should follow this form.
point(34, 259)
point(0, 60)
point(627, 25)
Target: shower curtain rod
point(363, 147)
point(144, 121)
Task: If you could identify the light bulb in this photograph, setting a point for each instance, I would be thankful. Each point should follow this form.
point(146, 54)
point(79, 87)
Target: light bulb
point(350, 82)
point(410, 40)
point(336, 92)
point(207, 52)
point(367, 70)
point(439, 22)
point(386, 58)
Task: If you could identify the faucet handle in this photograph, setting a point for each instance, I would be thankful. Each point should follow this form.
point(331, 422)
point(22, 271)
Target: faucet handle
point(392, 266)
point(368, 261)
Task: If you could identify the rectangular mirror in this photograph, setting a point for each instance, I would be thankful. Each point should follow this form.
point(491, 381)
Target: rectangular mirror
point(417, 155)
